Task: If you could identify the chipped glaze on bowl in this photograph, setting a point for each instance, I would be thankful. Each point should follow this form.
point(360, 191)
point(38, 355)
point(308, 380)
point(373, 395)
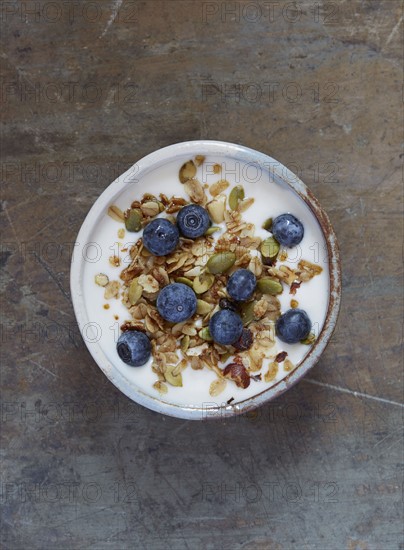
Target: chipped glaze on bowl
point(280, 174)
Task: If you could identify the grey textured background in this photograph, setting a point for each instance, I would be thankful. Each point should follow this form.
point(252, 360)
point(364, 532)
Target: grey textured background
point(87, 89)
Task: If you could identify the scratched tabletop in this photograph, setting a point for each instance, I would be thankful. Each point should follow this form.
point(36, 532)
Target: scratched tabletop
point(88, 88)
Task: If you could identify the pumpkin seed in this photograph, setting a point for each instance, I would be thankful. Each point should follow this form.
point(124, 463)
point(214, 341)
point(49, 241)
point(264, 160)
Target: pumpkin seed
point(204, 333)
point(203, 282)
point(184, 281)
point(236, 194)
point(203, 307)
point(187, 171)
point(267, 224)
point(212, 230)
point(133, 222)
point(270, 248)
point(184, 343)
point(221, 262)
point(266, 285)
point(247, 313)
point(225, 356)
point(135, 291)
point(311, 338)
point(171, 377)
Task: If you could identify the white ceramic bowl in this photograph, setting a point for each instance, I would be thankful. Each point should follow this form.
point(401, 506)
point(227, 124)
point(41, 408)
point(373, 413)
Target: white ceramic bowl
point(90, 256)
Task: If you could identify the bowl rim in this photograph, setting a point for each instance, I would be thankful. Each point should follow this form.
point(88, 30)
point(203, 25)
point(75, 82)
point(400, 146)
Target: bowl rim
point(279, 172)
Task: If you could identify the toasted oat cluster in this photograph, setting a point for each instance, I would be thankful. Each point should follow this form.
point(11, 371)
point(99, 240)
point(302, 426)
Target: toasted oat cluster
point(205, 264)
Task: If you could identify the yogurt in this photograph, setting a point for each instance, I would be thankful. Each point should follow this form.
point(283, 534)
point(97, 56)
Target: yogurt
point(272, 197)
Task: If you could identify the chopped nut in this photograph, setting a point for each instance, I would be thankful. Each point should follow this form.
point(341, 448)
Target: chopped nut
point(294, 286)
point(101, 279)
point(271, 373)
point(150, 209)
point(237, 372)
point(217, 386)
point(115, 261)
point(216, 208)
point(121, 233)
point(149, 283)
point(195, 191)
point(160, 387)
point(199, 159)
point(294, 303)
point(112, 290)
point(288, 365)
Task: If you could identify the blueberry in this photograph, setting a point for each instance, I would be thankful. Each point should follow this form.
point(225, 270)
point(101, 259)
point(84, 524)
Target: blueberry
point(287, 230)
point(293, 326)
point(241, 285)
point(134, 348)
point(193, 221)
point(225, 327)
point(161, 237)
point(176, 302)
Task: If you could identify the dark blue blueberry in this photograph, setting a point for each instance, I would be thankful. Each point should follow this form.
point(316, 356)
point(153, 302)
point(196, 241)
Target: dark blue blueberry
point(287, 230)
point(293, 326)
point(225, 327)
point(176, 302)
point(161, 237)
point(134, 348)
point(193, 221)
point(241, 285)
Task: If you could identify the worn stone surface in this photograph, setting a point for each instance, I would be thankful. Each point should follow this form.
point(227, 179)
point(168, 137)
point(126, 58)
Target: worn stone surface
point(87, 89)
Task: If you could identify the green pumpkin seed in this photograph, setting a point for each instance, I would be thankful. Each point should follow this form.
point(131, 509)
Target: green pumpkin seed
point(266, 285)
point(187, 171)
point(184, 343)
point(135, 291)
point(203, 307)
point(311, 338)
point(212, 230)
point(221, 262)
point(203, 282)
point(236, 195)
point(270, 248)
point(247, 313)
point(267, 224)
point(171, 378)
point(184, 281)
point(134, 220)
point(204, 333)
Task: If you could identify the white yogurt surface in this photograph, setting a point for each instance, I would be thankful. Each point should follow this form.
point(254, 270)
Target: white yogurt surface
point(271, 199)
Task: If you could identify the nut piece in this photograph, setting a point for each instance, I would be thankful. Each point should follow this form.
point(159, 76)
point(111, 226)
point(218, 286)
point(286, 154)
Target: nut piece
point(236, 195)
point(272, 372)
point(311, 338)
point(267, 285)
point(115, 213)
point(150, 209)
point(221, 262)
point(112, 290)
point(195, 191)
point(237, 373)
point(160, 387)
point(199, 159)
point(187, 171)
point(217, 386)
point(101, 279)
point(216, 208)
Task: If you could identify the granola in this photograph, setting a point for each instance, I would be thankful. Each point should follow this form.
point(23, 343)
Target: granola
point(205, 264)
